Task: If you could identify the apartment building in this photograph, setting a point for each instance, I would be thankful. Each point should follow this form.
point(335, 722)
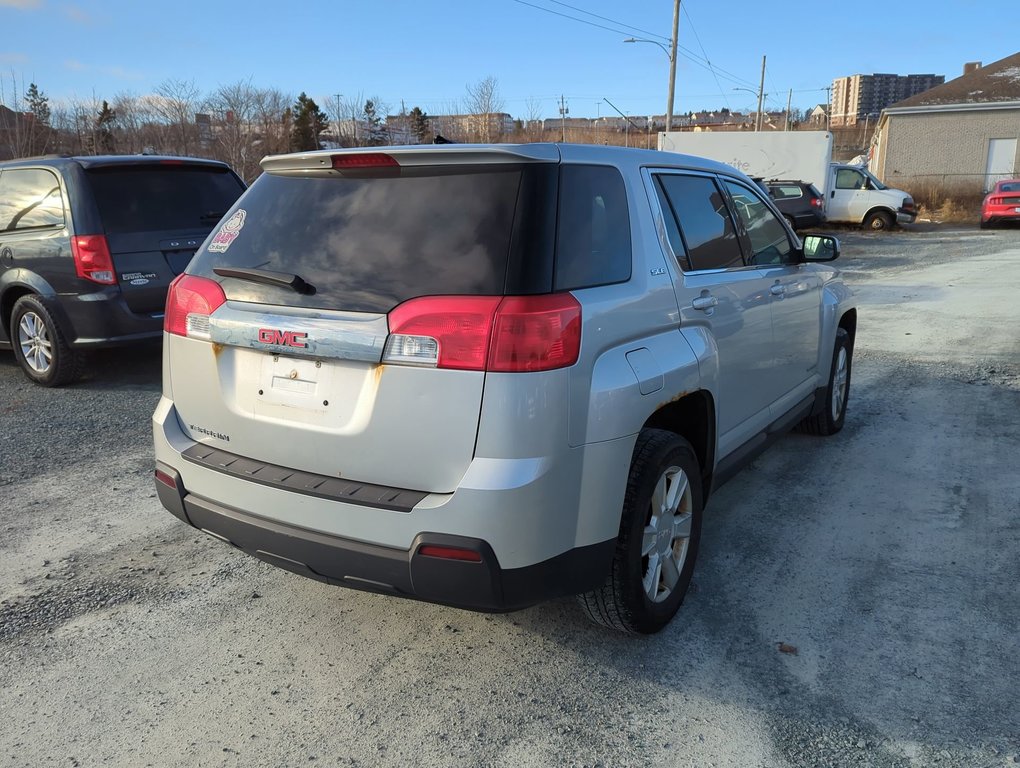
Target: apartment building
point(859, 97)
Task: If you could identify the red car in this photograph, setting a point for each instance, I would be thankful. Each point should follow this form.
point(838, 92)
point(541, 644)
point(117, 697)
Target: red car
point(1001, 204)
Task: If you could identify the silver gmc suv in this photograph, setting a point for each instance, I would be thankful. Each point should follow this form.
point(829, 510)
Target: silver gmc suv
point(486, 376)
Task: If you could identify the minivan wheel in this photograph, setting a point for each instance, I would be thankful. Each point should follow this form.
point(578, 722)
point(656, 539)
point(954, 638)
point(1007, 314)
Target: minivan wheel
point(837, 393)
point(658, 541)
point(878, 221)
point(39, 345)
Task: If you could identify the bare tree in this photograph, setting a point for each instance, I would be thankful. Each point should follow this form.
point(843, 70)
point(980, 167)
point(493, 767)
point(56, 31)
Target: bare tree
point(485, 102)
point(234, 109)
point(534, 113)
point(273, 123)
point(176, 103)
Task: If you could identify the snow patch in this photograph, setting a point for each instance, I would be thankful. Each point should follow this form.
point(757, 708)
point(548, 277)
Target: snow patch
point(1011, 73)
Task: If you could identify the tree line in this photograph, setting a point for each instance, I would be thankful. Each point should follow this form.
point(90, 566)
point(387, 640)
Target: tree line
point(238, 123)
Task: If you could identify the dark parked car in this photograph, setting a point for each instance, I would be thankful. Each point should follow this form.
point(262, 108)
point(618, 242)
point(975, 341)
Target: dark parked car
point(89, 245)
point(799, 202)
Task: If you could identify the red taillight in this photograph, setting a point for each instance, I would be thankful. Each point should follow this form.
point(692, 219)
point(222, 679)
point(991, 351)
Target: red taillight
point(189, 303)
point(536, 333)
point(442, 331)
point(478, 333)
point(364, 160)
point(816, 202)
point(450, 553)
point(92, 259)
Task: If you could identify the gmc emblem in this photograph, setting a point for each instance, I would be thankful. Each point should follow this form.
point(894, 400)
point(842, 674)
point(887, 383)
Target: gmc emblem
point(283, 338)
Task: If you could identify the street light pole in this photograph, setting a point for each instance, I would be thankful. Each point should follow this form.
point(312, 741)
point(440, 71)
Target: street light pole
point(671, 55)
point(672, 65)
point(761, 95)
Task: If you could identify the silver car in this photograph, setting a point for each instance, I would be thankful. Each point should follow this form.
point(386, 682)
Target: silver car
point(486, 376)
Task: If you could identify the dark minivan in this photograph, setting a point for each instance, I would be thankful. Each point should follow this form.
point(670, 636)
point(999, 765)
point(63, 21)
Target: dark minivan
point(89, 245)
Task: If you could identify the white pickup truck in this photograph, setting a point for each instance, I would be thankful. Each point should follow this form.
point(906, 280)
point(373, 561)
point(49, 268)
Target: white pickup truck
point(852, 195)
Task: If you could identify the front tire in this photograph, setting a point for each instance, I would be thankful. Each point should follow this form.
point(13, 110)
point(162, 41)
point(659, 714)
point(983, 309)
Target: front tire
point(837, 393)
point(878, 221)
point(658, 542)
point(40, 348)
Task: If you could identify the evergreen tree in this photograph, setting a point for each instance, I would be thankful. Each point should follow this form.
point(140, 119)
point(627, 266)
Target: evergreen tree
point(104, 134)
point(39, 133)
point(308, 122)
point(420, 126)
point(376, 133)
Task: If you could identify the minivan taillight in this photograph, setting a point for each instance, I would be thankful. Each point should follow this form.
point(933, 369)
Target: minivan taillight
point(189, 303)
point(92, 259)
point(486, 333)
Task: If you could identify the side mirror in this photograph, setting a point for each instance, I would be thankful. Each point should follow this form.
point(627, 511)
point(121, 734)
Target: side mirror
point(820, 248)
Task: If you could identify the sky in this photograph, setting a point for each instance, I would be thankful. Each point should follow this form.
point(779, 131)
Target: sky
point(426, 53)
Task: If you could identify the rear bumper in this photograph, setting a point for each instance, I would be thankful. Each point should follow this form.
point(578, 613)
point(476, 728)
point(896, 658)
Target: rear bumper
point(103, 319)
point(477, 585)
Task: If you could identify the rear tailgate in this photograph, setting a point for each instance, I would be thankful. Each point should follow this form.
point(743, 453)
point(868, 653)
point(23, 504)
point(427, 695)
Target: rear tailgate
point(295, 379)
point(155, 215)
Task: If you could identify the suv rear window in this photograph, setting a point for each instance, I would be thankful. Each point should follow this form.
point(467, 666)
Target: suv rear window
point(165, 197)
point(367, 244)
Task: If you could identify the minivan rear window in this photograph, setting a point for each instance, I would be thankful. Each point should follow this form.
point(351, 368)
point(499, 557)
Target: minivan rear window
point(367, 244)
point(151, 198)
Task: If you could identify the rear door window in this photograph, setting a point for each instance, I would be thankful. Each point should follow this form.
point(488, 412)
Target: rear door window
point(707, 231)
point(156, 198)
point(30, 199)
point(593, 245)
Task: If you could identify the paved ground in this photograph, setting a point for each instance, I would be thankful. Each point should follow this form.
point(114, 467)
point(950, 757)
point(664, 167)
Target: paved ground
point(886, 557)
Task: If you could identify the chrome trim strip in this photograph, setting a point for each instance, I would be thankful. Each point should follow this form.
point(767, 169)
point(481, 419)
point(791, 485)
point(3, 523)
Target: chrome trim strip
point(327, 334)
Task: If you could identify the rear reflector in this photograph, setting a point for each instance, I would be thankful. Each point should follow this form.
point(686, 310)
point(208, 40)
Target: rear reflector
point(189, 303)
point(165, 479)
point(486, 333)
point(450, 553)
point(364, 160)
point(92, 259)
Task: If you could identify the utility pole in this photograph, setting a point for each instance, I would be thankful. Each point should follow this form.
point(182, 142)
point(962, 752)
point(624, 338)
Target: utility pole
point(789, 100)
point(672, 65)
point(564, 111)
point(761, 95)
point(828, 108)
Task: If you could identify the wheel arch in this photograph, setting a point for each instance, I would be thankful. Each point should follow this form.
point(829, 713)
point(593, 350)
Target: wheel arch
point(17, 283)
point(692, 416)
point(883, 209)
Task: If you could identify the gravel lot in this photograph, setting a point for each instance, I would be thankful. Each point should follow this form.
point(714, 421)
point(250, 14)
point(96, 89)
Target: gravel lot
point(855, 603)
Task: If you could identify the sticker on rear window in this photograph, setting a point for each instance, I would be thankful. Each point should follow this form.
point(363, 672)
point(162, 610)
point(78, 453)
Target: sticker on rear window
point(228, 232)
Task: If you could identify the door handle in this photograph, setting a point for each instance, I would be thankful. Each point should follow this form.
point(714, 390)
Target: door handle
point(705, 303)
point(777, 289)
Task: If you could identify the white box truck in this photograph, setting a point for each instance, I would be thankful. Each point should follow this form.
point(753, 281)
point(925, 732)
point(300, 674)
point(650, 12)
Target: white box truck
point(852, 195)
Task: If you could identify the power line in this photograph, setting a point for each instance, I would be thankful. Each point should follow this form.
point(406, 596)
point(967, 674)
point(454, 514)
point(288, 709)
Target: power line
point(705, 53)
point(611, 21)
point(572, 18)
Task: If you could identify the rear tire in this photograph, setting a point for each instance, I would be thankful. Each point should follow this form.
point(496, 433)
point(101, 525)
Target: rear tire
point(830, 420)
point(39, 345)
point(879, 221)
point(658, 543)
